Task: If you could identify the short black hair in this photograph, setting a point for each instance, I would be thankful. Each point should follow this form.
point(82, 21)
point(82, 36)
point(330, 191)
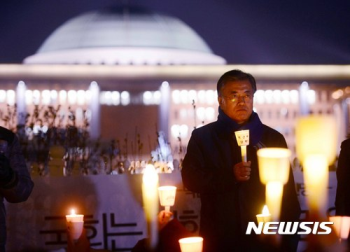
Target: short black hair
point(235, 75)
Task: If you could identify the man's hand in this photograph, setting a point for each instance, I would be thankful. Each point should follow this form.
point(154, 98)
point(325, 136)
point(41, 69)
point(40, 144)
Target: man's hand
point(242, 171)
point(163, 218)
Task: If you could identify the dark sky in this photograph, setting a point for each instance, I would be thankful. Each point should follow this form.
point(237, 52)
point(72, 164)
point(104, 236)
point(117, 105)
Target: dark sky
point(243, 31)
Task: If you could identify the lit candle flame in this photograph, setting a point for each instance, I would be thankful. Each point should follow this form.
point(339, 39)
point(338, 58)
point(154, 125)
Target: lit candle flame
point(265, 210)
point(72, 211)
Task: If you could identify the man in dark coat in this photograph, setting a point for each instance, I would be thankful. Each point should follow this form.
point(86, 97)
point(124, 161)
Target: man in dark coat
point(15, 182)
point(230, 190)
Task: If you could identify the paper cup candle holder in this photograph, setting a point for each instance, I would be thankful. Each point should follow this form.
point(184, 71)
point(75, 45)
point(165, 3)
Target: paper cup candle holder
point(191, 244)
point(242, 137)
point(75, 223)
point(274, 169)
point(167, 196)
point(316, 145)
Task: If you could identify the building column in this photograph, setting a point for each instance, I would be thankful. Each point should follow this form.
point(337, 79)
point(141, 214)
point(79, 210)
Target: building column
point(303, 99)
point(95, 110)
point(164, 109)
point(21, 103)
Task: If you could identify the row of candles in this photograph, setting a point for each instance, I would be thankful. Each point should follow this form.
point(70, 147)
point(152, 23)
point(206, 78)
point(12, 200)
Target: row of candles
point(150, 194)
point(316, 139)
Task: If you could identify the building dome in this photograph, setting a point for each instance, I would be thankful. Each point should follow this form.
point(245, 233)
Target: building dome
point(124, 36)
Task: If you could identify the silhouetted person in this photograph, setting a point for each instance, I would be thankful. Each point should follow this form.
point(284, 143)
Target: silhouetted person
point(15, 182)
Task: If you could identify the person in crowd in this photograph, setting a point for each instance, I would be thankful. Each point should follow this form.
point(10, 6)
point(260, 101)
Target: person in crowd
point(230, 190)
point(342, 199)
point(15, 181)
point(170, 231)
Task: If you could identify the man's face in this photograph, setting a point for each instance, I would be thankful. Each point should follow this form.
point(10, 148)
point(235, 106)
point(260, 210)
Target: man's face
point(236, 100)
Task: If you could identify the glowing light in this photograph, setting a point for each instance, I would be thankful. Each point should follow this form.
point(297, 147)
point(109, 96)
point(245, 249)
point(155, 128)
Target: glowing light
point(259, 97)
point(36, 97)
point(201, 96)
point(2, 95)
point(210, 96)
point(147, 97)
point(192, 95)
point(276, 94)
point(11, 97)
point(53, 95)
point(200, 113)
point(72, 96)
point(81, 97)
point(45, 94)
point(184, 96)
point(176, 96)
point(294, 96)
point(157, 97)
point(115, 96)
point(268, 96)
point(125, 98)
point(311, 96)
point(285, 96)
point(210, 113)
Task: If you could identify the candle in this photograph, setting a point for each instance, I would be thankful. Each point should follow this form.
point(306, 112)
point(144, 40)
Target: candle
point(316, 181)
point(191, 244)
point(75, 223)
point(274, 192)
point(265, 216)
point(274, 169)
point(150, 203)
point(242, 137)
point(167, 196)
point(316, 141)
point(274, 164)
point(341, 225)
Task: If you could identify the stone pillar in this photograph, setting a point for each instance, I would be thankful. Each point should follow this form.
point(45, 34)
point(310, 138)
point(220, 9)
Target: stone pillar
point(95, 110)
point(164, 109)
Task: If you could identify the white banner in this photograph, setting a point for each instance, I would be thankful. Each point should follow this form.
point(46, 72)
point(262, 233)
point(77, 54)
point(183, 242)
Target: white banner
point(112, 205)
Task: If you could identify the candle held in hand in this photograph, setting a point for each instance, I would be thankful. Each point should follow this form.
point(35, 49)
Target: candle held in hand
point(242, 137)
point(167, 196)
point(75, 223)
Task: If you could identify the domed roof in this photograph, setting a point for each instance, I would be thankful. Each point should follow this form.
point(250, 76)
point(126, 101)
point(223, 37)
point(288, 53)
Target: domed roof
point(125, 36)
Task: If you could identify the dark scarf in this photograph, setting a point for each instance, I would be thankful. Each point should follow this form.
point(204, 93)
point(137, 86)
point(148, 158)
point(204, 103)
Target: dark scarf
point(254, 125)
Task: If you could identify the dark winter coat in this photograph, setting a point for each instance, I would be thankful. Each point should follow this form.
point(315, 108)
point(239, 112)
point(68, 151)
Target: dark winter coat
point(20, 186)
point(342, 201)
point(227, 205)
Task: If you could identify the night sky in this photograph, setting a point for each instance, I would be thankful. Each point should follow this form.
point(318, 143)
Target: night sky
point(242, 32)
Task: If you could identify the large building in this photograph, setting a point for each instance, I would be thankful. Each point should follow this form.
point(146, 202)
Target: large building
point(132, 73)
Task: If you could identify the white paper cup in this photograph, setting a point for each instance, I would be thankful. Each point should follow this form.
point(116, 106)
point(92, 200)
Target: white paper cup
point(75, 223)
point(191, 244)
point(167, 196)
point(75, 229)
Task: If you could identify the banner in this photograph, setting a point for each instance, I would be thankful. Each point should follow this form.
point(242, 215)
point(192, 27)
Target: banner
point(112, 206)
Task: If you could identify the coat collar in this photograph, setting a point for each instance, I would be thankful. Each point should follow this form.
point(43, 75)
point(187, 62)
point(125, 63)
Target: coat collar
point(227, 126)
